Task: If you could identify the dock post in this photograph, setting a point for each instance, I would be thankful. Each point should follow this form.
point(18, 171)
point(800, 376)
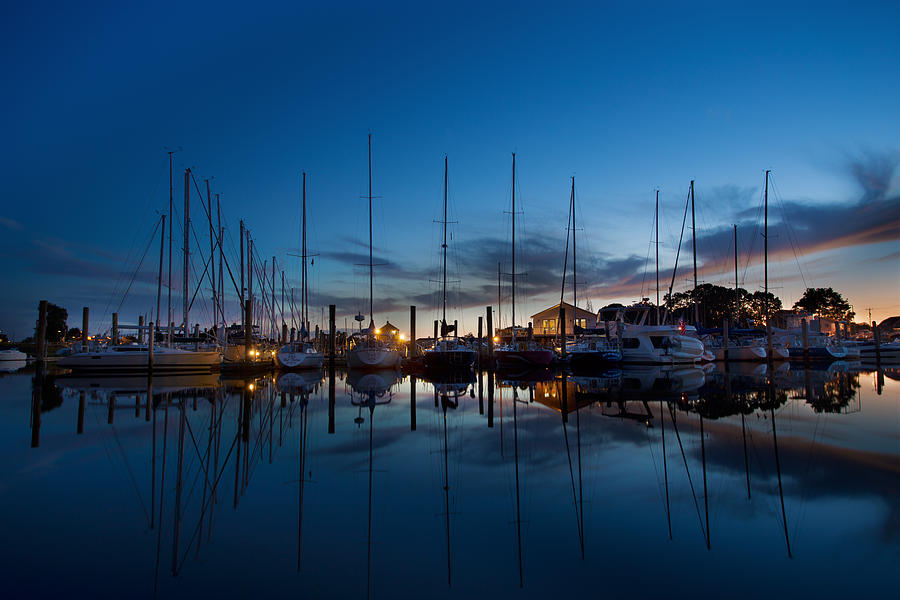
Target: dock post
point(140, 329)
point(725, 337)
point(84, 329)
point(562, 330)
point(455, 328)
point(435, 331)
point(490, 334)
point(331, 396)
point(412, 403)
point(804, 333)
point(480, 343)
point(115, 330)
point(42, 331)
point(81, 402)
point(876, 337)
point(293, 331)
point(413, 349)
point(331, 334)
point(248, 327)
point(283, 333)
point(490, 406)
point(530, 331)
point(151, 338)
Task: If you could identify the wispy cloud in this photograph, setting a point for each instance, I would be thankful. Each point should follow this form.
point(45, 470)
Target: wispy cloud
point(10, 224)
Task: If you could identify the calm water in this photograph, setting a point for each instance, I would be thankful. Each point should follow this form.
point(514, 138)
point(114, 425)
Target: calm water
point(639, 483)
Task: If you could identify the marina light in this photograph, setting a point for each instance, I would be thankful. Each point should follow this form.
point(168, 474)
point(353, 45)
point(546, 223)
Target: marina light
point(251, 387)
point(377, 332)
point(402, 337)
point(496, 339)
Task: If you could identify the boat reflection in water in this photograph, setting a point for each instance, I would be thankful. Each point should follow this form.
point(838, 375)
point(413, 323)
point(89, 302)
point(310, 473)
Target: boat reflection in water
point(369, 390)
point(725, 459)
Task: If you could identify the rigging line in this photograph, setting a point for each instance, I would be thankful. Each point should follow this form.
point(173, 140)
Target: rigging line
point(791, 234)
point(678, 252)
point(206, 506)
point(130, 472)
point(687, 470)
point(138, 268)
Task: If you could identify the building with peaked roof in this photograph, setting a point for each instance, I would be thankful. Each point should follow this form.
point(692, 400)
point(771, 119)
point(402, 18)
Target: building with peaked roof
point(546, 322)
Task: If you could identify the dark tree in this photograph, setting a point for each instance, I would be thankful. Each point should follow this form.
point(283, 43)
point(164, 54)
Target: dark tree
point(714, 303)
point(56, 323)
point(73, 334)
point(757, 303)
point(825, 302)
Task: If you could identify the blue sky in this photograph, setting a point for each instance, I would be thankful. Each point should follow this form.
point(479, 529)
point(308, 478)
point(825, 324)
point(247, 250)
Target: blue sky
point(626, 99)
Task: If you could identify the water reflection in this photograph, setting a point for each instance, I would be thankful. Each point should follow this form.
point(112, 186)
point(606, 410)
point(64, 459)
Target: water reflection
point(588, 464)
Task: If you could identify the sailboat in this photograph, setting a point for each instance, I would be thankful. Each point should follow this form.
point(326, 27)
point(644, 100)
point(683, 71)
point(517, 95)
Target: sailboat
point(519, 353)
point(448, 352)
point(370, 352)
point(147, 356)
point(301, 354)
point(591, 348)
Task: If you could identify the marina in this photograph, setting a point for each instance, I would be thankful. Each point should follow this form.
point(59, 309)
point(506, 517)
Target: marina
point(465, 301)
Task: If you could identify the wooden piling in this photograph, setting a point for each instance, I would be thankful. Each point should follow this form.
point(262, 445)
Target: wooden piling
point(115, 330)
point(140, 329)
point(490, 332)
point(81, 402)
point(331, 390)
point(876, 337)
point(84, 329)
point(480, 342)
point(248, 327)
point(412, 403)
point(725, 337)
point(413, 348)
point(804, 332)
point(332, 349)
point(42, 331)
point(435, 330)
point(284, 333)
point(455, 328)
point(562, 331)
point(151, 339)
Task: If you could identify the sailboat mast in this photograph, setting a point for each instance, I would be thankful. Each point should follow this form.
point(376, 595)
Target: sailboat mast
point(371, 264)
point(171, 214)
point(187, 246)
point(303, 311)
point(737, 294)
point(574, 280)
point(513, 324)
point(766, 244)
point(769, 350)
point(444, 250)
point(656, 243)
point(694, 251)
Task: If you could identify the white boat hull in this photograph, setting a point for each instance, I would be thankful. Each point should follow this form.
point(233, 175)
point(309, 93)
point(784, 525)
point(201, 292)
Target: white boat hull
point(373, 358)
point(12, 354)
point(300, 360)
point(168, 359)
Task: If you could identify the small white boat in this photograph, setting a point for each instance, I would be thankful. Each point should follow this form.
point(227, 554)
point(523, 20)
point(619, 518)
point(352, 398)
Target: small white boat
point(659, 344)
point(12, 354)
point(136, 357)
point(371, 353)
point(300, 355)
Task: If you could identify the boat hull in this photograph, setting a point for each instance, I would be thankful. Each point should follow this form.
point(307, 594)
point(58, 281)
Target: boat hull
point(452, 359)
point(140, 361)
point(288, 359)
point(373, 358)
point(535, 358)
